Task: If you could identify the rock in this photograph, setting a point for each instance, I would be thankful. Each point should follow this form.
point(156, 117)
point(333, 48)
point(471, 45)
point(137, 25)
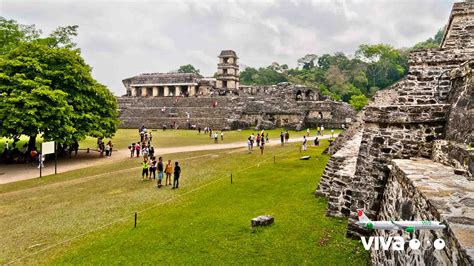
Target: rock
point(262, 220)
point(305, 157)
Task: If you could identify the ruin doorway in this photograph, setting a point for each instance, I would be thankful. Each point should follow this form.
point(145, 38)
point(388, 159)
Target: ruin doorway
point(320, 115)
point(299, 95)
point(172, 91)
point(184, 90)
point(149, 91)
point(161, 91)
point(309, 95)
point(224, 84)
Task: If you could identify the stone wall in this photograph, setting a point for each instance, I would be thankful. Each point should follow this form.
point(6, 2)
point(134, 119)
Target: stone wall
point(429, 116)
point(424, 190)
point(269, 111)
point(460, 126)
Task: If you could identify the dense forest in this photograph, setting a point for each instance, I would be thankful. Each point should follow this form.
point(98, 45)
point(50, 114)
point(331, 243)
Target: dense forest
point(350, 78)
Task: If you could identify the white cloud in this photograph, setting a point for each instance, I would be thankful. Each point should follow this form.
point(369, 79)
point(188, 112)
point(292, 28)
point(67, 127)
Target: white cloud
point(123, 38)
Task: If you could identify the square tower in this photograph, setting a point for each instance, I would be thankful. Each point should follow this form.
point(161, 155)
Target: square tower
point(228, 74)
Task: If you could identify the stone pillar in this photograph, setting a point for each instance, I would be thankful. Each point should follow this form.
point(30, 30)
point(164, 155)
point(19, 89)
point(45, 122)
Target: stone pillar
point(155, 91)
point(177, 91)
point(144, 93)
point(134, 91)
point(192, 90)
point(166, 91)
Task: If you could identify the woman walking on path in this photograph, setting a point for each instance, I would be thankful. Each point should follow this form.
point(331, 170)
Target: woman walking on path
point(168, 171)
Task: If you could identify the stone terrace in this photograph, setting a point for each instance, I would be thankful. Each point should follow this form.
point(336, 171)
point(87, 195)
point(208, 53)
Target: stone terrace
point(420, 189)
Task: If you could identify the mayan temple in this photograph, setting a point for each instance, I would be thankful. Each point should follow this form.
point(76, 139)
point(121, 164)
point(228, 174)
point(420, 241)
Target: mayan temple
point(409, 155)
point(185, 100)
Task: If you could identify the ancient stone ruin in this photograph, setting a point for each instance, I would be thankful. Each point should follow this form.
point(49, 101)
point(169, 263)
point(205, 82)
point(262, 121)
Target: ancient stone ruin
point(183, 100)
point(408, 156)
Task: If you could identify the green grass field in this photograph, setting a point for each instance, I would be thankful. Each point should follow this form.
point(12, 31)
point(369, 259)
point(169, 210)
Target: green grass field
point(86, 216)
point(176, 138)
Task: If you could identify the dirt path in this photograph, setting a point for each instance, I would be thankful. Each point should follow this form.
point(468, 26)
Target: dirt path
point(18, 172)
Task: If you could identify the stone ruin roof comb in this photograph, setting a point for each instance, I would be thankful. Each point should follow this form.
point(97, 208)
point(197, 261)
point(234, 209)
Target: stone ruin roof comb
point(228, 53)
point(164, 78)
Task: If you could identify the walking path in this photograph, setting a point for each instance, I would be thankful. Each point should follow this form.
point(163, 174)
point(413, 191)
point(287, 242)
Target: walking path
point(17, 172)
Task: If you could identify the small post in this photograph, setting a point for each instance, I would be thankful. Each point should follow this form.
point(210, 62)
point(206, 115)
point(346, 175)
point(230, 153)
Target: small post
point(55, 159)
point(136, 215)
point(274, 159)
point(40, 164)
point(231, 178)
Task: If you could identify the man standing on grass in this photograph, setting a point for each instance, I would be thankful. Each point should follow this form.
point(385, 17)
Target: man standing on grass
point(304, 143)
point(177, 172)
point(262, 146)
point(145, 169)
point(252, 138)
point(282, 139)
point(153, 168)
point(160, 172)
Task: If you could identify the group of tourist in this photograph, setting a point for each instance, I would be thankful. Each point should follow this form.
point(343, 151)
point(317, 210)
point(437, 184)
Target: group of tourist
point(259, 140)
point(153, 169)
point(104, 147)
point(213, 134)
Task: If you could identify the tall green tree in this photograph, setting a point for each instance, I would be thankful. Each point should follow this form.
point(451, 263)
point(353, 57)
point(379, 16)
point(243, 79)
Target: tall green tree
point(188, 69)
point(46, 88)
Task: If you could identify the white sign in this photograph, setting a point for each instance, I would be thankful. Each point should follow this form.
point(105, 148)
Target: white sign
point(47, 147)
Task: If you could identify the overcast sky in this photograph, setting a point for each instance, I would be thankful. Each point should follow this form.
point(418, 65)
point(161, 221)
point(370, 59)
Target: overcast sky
point(120, 39)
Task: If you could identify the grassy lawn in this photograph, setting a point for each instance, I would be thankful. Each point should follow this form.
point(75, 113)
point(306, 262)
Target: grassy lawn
point(175, 138)
point(206, 221)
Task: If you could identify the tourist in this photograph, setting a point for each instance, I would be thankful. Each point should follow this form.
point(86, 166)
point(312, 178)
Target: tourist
point(137, 150)
point(145, 151)
point(75, 147)
point(332, 133)
point(222, 135)
point(322, 130)
point(257, 140)
point(304, 143)
point(343, 126)
point(177, 173)
point(266, 137)
point(132, 149)
point(215, 137)
point(107, 150)
point(145, 169)
point(249, 145)
point(316, 141)
point(199, 130)
point(150, 137)
point(41, 161)
point(153, 168)
point(262, 146)
point(151, 151)
point(287, 136)
point(101, 148)
point(142, 136)
point(160, 172)
point(252, 138)
point(319, 131)
point(168, 171)
point(5, 146)
point(210, 133)
point(282, 138)
point(307, 132)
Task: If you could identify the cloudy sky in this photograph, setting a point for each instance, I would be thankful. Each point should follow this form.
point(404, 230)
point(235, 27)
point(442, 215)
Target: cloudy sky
point(120, 39)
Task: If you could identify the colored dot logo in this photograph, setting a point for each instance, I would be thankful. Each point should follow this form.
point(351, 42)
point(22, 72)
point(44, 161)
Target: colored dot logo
point(439, 244)
point(414, 244)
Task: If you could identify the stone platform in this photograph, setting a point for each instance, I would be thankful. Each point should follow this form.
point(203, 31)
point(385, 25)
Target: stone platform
point(420, 189)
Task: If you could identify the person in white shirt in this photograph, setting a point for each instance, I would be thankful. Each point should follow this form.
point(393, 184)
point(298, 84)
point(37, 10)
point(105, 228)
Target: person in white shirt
point(5, 146)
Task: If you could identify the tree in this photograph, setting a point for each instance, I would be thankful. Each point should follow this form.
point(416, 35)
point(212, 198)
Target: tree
point(188, 69)
point(307, 62)
point(49, 90)
point(434, 42)
point(358, 101)
point(13, 33)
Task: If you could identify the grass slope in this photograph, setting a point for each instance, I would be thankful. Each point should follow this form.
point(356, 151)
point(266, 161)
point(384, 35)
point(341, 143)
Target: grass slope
point(206, 221)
